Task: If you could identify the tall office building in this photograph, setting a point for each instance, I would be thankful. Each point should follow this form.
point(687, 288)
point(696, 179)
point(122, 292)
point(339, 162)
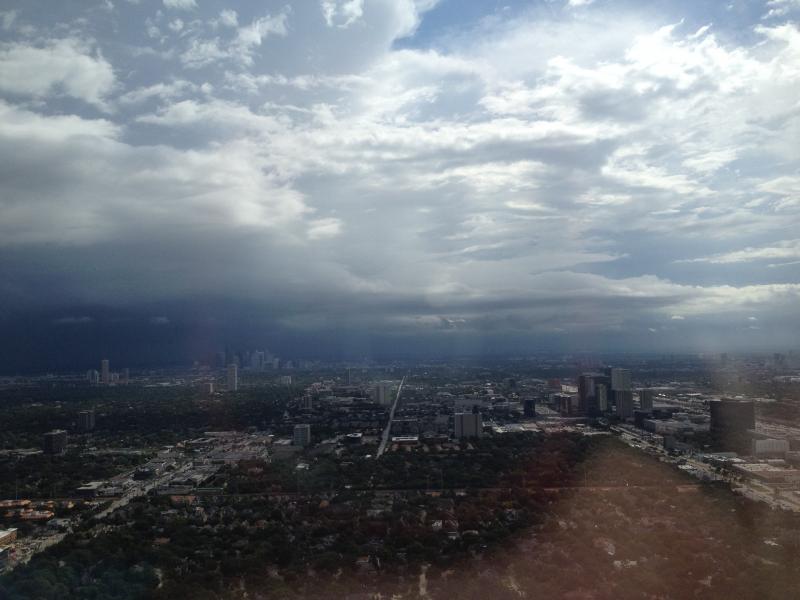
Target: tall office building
point(301, 435)
point(624, 400)
point(105, 372)
point(468, 425)
point(55, 442)
point(383, 393)
point(620, 379)
point(258, 360)
point(601, 396)
point(586, 397)
point(93, 376)
point(307, 402)
point(529, 407)
point(730, 422)
point(86, 420)
point(568, 405)
point(646, 399)
point(232, 378)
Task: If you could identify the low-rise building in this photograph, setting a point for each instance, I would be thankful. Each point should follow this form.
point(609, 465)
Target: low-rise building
point(770, 447)
point(7, 536)
point(55, 442)
point(768, 473)
point(302, 435)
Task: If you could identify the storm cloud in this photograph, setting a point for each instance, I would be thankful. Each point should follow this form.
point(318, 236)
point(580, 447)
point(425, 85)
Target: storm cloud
point(358, 176)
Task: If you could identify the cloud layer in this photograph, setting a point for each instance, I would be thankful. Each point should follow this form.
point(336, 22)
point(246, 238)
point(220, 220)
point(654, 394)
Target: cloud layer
point(580, 174)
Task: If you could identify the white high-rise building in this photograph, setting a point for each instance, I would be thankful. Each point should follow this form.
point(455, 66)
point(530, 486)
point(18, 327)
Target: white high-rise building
point(301, 435)
point(468, 425)
point(105, 372)
point(233, 378)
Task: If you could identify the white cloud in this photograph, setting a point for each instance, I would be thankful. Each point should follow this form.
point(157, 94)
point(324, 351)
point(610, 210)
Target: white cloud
point(781, 8)
point(260, 29)
point(342, 13)
point(202, 52)
point(319, 229)
point(61, 67)
point(784, 250)
point(160, 91)
point(100, 188)
point(786, 186)
point(230, 118)
point(180, 4)
point(228, 18)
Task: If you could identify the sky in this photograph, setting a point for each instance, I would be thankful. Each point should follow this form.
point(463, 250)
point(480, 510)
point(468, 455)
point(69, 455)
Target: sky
point(363, 177)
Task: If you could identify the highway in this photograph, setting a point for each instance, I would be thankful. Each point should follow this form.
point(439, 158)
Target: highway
point(387, 431)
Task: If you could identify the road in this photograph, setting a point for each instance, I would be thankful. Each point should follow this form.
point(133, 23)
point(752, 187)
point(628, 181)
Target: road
point(776, 498)
point(387, 431)
point(27, 547)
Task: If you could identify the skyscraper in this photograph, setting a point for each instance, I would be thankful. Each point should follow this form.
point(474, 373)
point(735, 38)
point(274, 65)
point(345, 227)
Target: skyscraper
point(620, 385)
point(601, 396)
point(257, 360)
point(624, 403)
point(620, 379)
point(105, 372)
point(586, 397)
point(382, 393)
point(468, 425)
point(646, 399)
point(233, 378)
point(529, 407)
point(301, 435)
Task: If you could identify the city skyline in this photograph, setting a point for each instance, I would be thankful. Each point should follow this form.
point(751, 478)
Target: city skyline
point(418, 177)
